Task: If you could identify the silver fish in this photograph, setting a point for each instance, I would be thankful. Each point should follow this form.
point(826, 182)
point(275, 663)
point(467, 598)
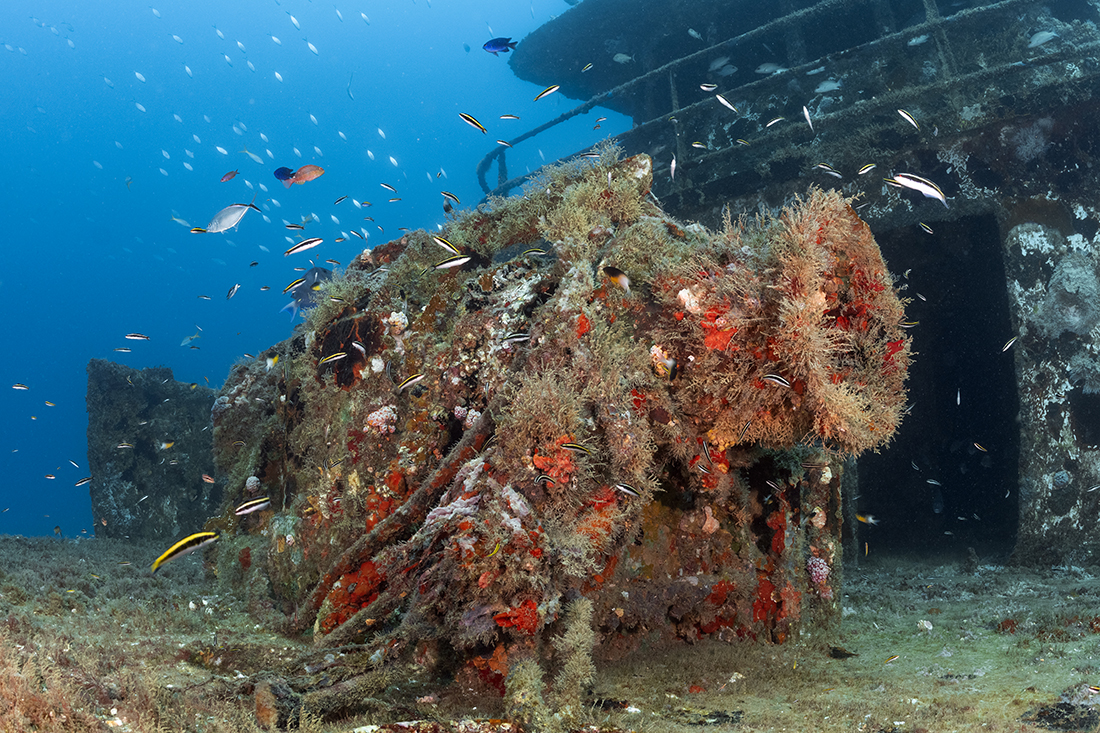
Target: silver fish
point(228, 218)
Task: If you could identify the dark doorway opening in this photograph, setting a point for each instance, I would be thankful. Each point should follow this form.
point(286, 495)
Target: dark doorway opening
point(948, 481)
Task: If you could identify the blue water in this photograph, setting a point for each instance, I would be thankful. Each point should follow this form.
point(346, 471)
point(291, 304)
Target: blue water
point(89, 258)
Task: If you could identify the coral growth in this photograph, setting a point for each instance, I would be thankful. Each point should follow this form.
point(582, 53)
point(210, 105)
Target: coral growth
point(528, 462)
point(814, 349)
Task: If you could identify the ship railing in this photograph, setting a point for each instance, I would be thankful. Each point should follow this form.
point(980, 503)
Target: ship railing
point(935, 26)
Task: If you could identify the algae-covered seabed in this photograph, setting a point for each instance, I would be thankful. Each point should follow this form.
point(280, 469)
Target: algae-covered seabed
point(88, 643)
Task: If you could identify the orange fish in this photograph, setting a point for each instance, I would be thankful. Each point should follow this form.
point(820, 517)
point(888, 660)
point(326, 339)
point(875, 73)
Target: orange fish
point(207, 478)
point(304, 174)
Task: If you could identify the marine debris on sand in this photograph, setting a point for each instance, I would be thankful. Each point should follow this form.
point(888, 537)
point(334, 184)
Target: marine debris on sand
point(593, 427)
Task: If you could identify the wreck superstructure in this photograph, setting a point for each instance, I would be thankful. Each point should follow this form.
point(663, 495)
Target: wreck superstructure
point(996, 104)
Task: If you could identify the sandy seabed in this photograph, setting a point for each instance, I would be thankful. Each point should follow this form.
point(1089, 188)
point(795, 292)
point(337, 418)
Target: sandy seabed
point(90, 640)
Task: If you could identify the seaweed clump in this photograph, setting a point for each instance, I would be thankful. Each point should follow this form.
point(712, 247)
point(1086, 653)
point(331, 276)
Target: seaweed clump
point(605, 423)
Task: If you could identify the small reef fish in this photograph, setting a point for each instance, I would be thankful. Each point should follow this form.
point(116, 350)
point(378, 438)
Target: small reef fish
point(806, 114)
point(189, 339)
point(207, 478)
point(229, 176)
point(472, 122)
point(19, 385)
point(497, 46)
point(867, 519)
point(450, 262)
point(726, 103)
point(666, 366)
point(255, 158)
point(305, 174)
point(708, 87)
point(618, 277)
point(921, 185)
point(284, 173)
point(1036, 40)
point(776, 380)
point(255, 505)
point(408, 382)
point(547, 91)
point(333, 357)
point(84, 481)
point(233, 291)
point(303, 246)
point(304, 290)
point(445, 244)
point(136, 337)
point(576, 448)
point(186, 545)
point(627, 489)
point(909, 118)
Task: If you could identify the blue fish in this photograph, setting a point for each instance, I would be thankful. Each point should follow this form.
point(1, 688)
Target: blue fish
point(284, 173)
point(305, 294)
point(500, 45)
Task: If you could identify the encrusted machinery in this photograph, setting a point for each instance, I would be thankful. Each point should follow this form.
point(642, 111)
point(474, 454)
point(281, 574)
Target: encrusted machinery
point(605, 426)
